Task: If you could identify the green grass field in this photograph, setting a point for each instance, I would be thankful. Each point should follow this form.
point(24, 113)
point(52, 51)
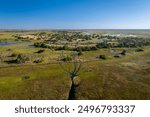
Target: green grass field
point(118, 78)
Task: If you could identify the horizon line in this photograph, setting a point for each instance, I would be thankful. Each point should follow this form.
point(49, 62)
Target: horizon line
point(81, 29)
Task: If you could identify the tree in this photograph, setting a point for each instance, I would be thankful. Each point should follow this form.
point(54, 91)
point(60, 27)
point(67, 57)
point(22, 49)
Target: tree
point(72, 72)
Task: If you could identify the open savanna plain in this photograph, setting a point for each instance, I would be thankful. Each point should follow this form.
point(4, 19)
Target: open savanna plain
point(30, 72)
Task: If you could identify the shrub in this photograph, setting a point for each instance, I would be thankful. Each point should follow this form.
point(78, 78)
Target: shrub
point(9, 49)
point(40, 51)
point(80, 53)
point(123, 52)
point(93, 48)
point(86, 48)
point(38, 61)
point(25, 77)
point(59, 48)
point(66, 58)
point(40, 44)
point(63, 48)
point(13, 55)
point(102, 45)
point(21, 58)
point(102, 57)
point(117, 56)
point(139, 50)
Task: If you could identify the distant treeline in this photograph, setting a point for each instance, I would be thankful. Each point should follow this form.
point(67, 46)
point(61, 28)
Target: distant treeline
point(120, 43)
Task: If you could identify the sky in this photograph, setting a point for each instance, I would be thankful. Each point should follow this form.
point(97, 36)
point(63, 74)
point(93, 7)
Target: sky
point(74, 14)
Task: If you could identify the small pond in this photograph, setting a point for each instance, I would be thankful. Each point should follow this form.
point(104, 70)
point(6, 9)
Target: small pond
point(11, 42)
point(5, 43)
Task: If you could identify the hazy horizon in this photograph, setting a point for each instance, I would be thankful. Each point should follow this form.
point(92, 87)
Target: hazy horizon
point(71, 29)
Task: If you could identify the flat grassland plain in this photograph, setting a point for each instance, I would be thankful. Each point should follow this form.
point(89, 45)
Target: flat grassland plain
point(115, 64)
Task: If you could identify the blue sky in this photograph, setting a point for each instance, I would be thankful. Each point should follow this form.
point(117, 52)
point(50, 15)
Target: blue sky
point(74, 14)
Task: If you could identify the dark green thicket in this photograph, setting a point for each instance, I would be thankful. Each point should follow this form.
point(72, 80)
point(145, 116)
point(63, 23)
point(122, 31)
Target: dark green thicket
point(21, 58)
point(40, 51)
point(102, 57)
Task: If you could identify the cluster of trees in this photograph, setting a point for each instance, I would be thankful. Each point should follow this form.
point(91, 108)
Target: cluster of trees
point(65, 47)
point(108, 37)
point(80, 48)
point(42, 35)
point(133, 42)
point(85, 48)
point(96, 36)
point(69, 36)
point(40, 44)
point(23, 58)
point(122, 42)
point(128, 42)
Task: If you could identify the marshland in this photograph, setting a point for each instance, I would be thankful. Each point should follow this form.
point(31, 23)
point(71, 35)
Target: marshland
point(75, 64)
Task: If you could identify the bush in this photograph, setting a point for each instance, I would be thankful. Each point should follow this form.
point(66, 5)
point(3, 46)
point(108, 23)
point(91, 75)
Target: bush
point(38, 61)
point(21, 58)
point(63, 48)
point(9, 49)
point(123, 52)
point(93, 48)
point(40, 51)
point(117, 56)
point(66, 58)
point(13, 55)
point(80, 53)
point(25, 77)
point(102, 45)
point(139, 50)
point(40, 44)
point(102, 57)
point(86, 48)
